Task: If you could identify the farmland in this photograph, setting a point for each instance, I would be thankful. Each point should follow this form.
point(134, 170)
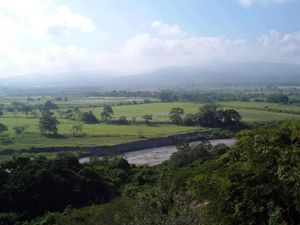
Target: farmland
point(110, 134)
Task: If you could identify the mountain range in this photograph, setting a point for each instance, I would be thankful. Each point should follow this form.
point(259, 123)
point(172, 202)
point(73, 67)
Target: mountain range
point(246, 73)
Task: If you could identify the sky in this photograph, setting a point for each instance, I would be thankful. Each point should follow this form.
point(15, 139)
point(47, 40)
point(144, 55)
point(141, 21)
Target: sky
point(135, 36)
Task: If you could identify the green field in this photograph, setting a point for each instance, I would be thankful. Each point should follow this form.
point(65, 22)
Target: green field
point(109, 134)
point(262, 106)
point(94, 134)
point(159, 111)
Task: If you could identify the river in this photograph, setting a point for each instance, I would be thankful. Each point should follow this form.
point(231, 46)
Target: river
point(155, 156)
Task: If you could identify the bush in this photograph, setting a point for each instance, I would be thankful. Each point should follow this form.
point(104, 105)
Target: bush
point(89, 117)
point(277, 98)
point(189, 119)
point(122, 120)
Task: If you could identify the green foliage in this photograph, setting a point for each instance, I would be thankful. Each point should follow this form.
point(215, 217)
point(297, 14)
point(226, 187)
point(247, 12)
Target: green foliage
point(77, 130)
point(19, 129)
point(229, 117)
point(5, 139)
point(277, 98)
point(89, 117)
point(187, 154)
point(32, 187)
point(107, 113)
point(3, 128)
point(189, 119)
point(49, 105)
point(167, 96)
point(9, 218)
point(210, 116)
point(147, 118)
point(176, 115)
point(122, 120)
point(256, 182)
point(48, 123)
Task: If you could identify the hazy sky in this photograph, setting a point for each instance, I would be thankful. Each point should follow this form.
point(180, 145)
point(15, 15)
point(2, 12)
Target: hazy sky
point(43, 36)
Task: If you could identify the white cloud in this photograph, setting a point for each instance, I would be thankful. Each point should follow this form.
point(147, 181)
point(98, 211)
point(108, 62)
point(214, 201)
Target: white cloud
point(164, 29)
point(28, 30)
point(250, 2)
point(37, 18)
point(28, 44)
point(281, 47)
point(145, 52)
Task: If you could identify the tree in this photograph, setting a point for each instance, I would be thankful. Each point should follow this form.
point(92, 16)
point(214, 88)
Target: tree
point(49, 105)
point(107, 113)
point(34, 114)
point(26, 109)
point(77, 129)
point(208, 115)
point(229, 117)
point(147, 118)
point(3, 128)
point(1, 109)
point(167, 96)
point(77, 113)
point(19, 129)
point(189, 119)
point(48, 123)
point(176, 115)
point(70, 114)
point(277, 98)
point(122, 120)
point(89, 117)
point(31, 187)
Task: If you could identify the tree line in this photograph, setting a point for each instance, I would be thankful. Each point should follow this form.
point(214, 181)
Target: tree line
point(209, 115)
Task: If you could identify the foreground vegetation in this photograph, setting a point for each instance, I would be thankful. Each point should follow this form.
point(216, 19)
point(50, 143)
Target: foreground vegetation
point(254, 182)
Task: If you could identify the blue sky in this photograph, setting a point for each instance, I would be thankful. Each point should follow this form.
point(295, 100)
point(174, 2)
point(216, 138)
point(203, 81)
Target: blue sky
point(43, 36)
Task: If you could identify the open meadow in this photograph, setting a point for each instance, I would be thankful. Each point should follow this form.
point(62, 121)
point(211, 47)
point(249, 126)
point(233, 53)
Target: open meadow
point(109, 134)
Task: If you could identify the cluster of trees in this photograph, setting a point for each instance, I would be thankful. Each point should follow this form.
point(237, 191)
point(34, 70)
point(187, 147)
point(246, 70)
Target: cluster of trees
point(106, 115)
point(30, 187)
point(254, 182)
point(49, 105)
point(48, 123)
point(3, 128)
point(209, 115)
point(19, 107)
point(182, 95)
point(120, 93)
point(277, 98)
point(27, 109)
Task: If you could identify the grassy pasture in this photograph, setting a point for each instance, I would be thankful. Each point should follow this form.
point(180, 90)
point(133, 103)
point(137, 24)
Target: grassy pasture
point(159, 111)
point(93, 134)
point(262, 106)
point(108, 134)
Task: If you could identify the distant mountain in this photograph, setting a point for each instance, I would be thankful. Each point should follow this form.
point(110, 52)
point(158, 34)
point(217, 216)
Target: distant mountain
point(250, 73)
point(222, 74)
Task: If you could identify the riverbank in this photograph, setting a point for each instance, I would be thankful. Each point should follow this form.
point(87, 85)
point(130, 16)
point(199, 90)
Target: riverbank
point(155, 156)
point(86, 151)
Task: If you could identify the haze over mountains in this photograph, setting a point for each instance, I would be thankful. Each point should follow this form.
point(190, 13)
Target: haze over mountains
point(250, 73)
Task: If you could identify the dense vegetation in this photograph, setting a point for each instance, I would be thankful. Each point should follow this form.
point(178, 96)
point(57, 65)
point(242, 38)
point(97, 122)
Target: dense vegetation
point(209, 115)
point(254, 182)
